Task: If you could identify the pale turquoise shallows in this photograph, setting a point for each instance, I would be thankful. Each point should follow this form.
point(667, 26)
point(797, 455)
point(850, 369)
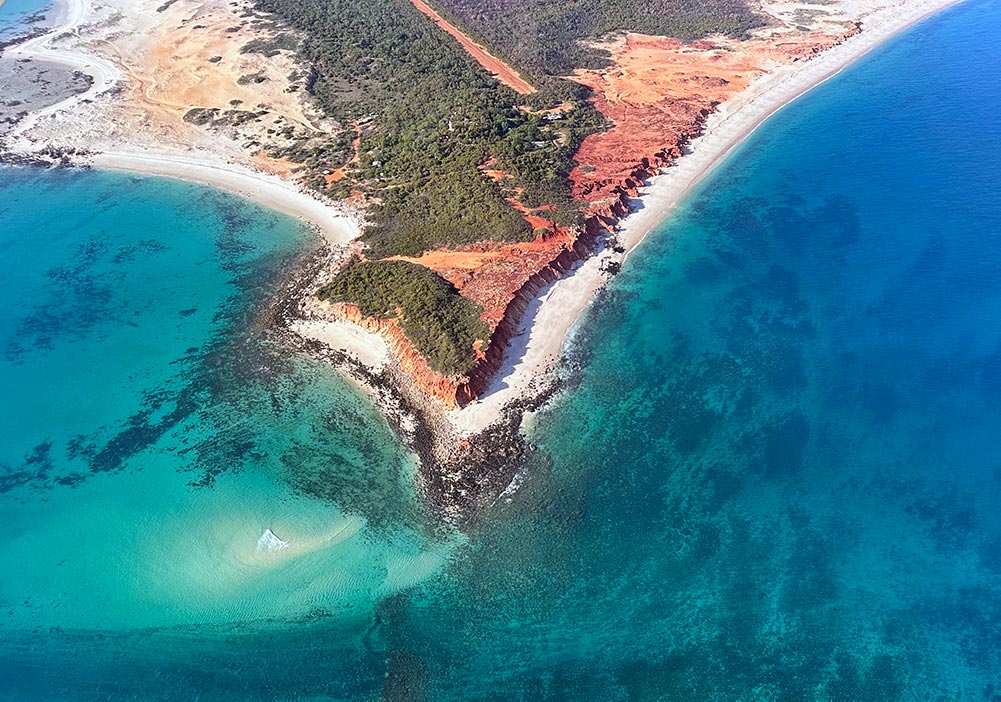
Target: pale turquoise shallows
point(152, 433)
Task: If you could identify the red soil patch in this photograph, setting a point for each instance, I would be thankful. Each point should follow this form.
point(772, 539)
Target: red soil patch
point(658, 94)
point(535, 220)
point(496, 176)
point(331, 178)
point(492, 274)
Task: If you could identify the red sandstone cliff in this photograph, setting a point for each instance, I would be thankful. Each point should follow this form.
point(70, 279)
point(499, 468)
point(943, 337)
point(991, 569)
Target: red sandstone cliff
point(657, 95)
point(503, 280)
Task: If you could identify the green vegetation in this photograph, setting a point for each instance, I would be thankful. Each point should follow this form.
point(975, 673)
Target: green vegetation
point(217, 118)
point(430, 117)
point(543, 38)
point(271, 47)
point(440, 323)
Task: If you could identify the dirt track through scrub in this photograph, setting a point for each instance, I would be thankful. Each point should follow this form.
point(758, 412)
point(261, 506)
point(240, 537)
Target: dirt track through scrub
point(503, 72)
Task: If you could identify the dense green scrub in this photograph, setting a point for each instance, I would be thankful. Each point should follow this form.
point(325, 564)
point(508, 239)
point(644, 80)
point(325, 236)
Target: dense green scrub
point(430, 117)
point(440, 323)
point(544, 38)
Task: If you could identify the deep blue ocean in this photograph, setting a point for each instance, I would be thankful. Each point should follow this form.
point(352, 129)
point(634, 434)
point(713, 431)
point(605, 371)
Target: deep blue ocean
point(776, 475)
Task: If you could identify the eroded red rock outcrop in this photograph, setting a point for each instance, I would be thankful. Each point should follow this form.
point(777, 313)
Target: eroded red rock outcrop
point(503, 279)
point(452, 390)
point(657, 97)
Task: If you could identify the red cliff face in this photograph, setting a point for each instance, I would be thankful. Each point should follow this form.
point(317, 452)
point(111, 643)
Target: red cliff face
point(657, 96)
point(503, 279)
point(452, 390)
point(642, 140)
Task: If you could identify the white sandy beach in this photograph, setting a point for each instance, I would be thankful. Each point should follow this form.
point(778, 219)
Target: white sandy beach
point(265, 189)
point(198, 166)
point(549, 318)
point(367, 347)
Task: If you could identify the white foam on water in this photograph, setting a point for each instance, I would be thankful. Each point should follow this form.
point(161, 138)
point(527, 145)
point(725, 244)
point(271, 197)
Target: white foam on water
point(270, 543)
point(516, 482)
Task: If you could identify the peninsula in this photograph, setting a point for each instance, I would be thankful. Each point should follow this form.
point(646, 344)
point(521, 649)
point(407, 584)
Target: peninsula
point(475, 168)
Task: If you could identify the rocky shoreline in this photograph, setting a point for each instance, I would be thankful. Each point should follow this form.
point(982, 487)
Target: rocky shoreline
point(31, 26)
point(458, 475)
point(468, 458)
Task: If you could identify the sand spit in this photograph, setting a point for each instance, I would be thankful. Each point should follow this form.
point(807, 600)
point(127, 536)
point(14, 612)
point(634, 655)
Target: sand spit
point(27, 86)
point(103, 73)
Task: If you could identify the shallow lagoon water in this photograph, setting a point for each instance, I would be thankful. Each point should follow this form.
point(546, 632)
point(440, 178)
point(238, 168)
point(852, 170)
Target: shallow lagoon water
point(153, 429)
point(776, 476)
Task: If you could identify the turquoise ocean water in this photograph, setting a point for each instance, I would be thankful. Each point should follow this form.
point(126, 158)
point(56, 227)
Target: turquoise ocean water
point(776, 476)
point(15, 13)
point(153, 432)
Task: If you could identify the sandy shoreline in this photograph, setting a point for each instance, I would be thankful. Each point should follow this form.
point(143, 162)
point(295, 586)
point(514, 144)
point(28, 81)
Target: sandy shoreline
point(549, 318)
point(265, 189)
point(336, 226)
